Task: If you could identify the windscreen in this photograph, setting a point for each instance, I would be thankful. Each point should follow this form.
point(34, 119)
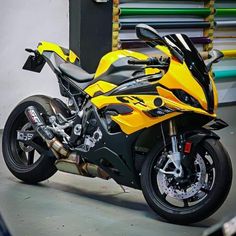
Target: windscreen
point(182, 44)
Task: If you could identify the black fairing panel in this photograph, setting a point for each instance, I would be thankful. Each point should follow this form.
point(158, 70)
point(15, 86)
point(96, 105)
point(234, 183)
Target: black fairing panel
point(119, 72)
point(107, 153)
point(195, 63)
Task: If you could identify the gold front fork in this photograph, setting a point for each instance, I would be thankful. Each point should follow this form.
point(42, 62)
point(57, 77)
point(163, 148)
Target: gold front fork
point(173, 134)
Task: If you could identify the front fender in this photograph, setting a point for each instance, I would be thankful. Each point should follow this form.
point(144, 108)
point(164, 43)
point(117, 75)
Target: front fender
point(196, 136)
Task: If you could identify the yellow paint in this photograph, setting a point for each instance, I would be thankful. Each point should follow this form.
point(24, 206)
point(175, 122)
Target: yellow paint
point(164, 49)
point(52, 47)
point(72, 57)
point(151, 71)
point(100, 86)
point(179, 77)
point(167, 94)
point(138, 119)
point(111, 57)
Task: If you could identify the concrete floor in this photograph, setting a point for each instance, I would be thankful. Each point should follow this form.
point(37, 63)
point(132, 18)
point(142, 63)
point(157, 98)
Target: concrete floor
point(73, 205)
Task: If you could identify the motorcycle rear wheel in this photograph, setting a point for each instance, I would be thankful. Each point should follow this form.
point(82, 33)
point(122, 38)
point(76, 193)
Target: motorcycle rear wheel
point(174, 204)
point(31, 164)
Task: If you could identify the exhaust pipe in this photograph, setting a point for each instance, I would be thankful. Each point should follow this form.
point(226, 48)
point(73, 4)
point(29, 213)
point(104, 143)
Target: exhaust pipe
point(71, 163)
point(47, 135)
point(84, 169)
point(38, 123)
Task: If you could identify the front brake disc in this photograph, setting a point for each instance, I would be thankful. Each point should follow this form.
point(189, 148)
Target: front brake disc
point(171, 190)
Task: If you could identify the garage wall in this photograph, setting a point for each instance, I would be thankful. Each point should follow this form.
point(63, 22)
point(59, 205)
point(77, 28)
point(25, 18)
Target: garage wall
point(226, 87)
point(23, 24)
point(26, 22)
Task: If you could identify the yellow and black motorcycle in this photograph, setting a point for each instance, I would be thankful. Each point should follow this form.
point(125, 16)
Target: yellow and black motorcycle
point(145, 122)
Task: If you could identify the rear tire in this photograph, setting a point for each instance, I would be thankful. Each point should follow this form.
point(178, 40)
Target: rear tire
point(19, 158)
point(207, 200)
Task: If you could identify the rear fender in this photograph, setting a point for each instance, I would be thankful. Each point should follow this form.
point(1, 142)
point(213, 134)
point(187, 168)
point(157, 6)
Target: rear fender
point(59, 107)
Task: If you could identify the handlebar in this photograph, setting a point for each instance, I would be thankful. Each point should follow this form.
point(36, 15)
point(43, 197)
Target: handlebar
point(151, 61)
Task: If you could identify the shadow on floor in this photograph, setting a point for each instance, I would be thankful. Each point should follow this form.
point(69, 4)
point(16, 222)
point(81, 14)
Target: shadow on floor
point(115, 199)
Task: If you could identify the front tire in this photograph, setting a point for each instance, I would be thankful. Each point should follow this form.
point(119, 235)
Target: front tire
point(174, 204)
point(31, 164)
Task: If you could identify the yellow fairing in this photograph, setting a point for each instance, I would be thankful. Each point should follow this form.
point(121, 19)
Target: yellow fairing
point(100, 86)
point(151, 71)
point(164, 49)
point(111, 57)
point(139, 119)
point(52, 47)
point(173, 102)
point(136, 120)
point(179, 77)
point(167, 94)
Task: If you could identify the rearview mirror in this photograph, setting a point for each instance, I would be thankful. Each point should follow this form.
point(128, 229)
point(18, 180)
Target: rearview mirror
point(215, 56)
point(148, 34)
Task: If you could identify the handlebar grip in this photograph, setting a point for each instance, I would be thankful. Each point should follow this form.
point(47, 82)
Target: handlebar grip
point(137, 62)
point(149, 61)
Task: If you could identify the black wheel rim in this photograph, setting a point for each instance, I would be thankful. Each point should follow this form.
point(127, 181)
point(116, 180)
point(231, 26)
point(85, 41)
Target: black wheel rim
point(25, 155)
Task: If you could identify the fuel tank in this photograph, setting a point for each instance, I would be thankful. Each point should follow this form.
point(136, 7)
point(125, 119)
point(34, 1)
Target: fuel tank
point(114, 70)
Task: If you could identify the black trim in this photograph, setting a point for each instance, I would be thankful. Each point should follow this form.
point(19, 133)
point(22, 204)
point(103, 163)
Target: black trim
point(158, 102)
point(118, 72)
point(119, 108)
point(137, 88)
point(216, 124)
point(186, 98)
point(196, 136)
point(140, 85)
point(161, 111)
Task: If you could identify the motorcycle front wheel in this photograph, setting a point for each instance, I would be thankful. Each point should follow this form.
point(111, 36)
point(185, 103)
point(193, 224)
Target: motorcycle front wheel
point(195, 196)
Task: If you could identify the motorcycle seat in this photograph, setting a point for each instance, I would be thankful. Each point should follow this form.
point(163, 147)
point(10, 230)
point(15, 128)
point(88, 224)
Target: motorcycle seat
point(75, 72)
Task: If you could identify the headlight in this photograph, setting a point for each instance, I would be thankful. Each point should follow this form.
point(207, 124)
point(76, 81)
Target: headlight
point(186, 98)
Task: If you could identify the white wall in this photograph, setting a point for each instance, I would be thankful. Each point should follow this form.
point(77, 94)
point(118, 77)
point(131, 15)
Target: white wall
point(23, 24)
